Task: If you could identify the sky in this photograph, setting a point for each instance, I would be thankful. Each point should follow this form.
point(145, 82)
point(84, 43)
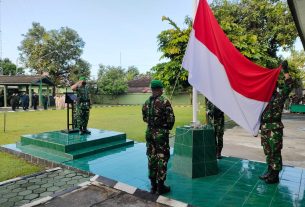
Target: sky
point(116, 32)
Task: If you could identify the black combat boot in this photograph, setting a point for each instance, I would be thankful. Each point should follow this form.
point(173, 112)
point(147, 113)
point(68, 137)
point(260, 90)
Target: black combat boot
point(264, 176)
point(81, 131)
point(86, 131)
point(218, 152)
point(273, 177)
point(153, 188)
point(162, 189)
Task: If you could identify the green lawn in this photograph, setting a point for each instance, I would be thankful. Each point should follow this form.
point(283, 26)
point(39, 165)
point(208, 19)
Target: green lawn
point(12, 167)
point(126, 119)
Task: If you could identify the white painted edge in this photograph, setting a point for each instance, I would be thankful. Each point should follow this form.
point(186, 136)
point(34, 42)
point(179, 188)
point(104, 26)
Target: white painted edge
point(96, 183)
point(84, 184)
point(94, 178)
point(40, 201)
point(11, 180)
point(171, 202)
point(126, 188)
point(53, 169)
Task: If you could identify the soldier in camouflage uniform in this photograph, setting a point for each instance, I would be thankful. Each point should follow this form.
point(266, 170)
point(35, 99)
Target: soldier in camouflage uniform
point(215, 117)
point(159, 116)
point(272, 129)
point(82, 105)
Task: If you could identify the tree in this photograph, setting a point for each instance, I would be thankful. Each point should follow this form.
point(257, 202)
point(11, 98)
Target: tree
point(54, 51)
point(296, 62)
point(132, 72)
point(172, 43)
point(81, 68)
point(9, 68)
point(111, 80)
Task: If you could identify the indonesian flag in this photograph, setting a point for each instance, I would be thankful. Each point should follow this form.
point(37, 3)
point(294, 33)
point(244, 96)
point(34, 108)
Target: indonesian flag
point(240, 88)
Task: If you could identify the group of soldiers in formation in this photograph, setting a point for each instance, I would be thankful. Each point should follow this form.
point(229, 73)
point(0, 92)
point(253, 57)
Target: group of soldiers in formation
point(23, 100)
point(17, 100)
point(157, 112)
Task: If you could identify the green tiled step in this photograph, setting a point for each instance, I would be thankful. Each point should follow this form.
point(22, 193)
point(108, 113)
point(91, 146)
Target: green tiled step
point(59, 156)
point(71, 142)
point(100, 148)
point(45, 153)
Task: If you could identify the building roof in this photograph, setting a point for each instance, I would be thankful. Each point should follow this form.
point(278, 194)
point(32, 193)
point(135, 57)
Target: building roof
point(24, 80)
point(140, 82)
point(297, 8)
point(139, 85)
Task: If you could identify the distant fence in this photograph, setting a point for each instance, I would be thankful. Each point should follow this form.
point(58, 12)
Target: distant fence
point(140, 98)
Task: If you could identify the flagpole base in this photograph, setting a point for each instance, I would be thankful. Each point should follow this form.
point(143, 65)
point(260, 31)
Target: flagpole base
point(195, 152)
point(195, 125)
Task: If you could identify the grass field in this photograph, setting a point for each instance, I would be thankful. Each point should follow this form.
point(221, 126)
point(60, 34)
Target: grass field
point(126, 119)
point(12, 167)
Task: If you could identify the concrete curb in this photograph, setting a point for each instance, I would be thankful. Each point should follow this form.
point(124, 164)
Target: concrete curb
point(101, 180)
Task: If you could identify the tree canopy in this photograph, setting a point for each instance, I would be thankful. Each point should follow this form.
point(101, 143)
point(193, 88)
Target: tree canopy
point(132, 72)
point(296, 63)
point(172, 44)
point(56, 51)
point(9, 68)
point(111, 80)
point(80, 68)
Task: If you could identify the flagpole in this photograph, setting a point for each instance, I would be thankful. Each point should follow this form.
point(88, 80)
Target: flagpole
point(195, 93)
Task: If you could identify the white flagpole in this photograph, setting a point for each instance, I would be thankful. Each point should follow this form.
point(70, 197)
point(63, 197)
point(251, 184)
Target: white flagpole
point(195, 93)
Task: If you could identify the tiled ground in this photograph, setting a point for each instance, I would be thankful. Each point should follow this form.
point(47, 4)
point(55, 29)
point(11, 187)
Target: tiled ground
point(38, 186)
point(237, 183)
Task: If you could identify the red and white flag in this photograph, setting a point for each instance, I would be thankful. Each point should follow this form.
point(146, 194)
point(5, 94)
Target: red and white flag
point(237, 86)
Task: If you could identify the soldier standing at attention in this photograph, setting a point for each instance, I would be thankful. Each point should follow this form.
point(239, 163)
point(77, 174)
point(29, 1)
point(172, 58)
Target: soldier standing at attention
point(272, 129)
point(158, 114)
point(35, 100)
point(82, 105)
point(216, 118)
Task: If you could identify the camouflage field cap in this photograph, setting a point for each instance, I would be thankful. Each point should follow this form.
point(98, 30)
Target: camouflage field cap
point(156, 84)
point(82, 78)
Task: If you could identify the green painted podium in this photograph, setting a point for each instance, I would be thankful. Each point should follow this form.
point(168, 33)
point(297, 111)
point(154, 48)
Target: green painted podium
point(195, 152)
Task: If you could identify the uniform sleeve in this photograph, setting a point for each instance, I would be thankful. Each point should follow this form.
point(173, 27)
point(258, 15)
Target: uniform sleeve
point(144, 112)
point(287, 88)
point(209, 111)
point(170, 116)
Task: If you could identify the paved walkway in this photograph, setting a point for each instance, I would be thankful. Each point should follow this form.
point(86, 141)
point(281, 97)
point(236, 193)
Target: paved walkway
point(20, 191)
point(240, 143)
point(98, 196)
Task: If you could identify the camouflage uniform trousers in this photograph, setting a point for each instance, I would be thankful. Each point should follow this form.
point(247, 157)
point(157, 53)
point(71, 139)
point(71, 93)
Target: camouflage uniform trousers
point(219, 131)
point(82, 114)
point(272, 142)
point(158, 153)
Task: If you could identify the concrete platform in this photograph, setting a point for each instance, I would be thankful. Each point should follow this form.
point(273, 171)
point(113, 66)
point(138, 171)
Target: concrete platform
point(61, 147)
